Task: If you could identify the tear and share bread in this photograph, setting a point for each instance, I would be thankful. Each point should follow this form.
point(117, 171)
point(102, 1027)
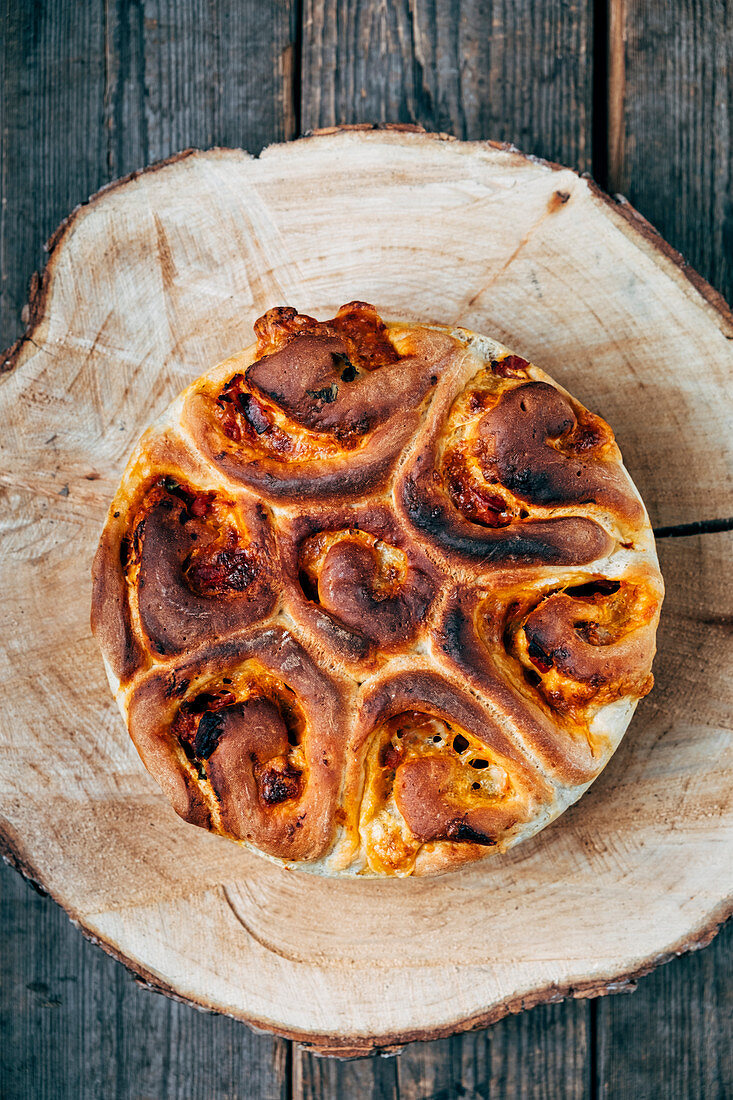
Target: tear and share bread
point(376, 598)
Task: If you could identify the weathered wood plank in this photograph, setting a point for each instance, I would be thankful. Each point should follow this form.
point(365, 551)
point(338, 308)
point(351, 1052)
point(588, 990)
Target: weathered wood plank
point(74, 1023)
point(673, 1037)
point(544, 1054)
point(519, 72)
point(53, 148)
point(316, 1078)
point(671, 124)
point(197, 73)
point(95, 90)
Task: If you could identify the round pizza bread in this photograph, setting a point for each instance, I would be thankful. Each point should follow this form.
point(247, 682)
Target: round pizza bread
point(376, 598)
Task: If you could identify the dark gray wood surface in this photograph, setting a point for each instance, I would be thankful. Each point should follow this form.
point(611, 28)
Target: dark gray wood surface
point(639, 94)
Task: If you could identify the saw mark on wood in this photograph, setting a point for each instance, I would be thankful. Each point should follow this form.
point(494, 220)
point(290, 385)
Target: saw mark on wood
point(290, 956)
point(375, 958)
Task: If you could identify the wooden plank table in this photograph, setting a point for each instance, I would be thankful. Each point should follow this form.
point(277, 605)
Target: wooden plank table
point(641, 96)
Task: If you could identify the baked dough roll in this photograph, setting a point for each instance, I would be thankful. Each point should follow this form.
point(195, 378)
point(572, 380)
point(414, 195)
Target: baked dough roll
point(376, 598)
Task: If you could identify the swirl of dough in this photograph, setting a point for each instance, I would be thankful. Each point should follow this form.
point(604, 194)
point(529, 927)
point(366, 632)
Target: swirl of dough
point(325, 407)
point(510, 471)
point(357, 581)
point(194, 563)
point(552, 655)
point(442, 779)
point(548, 452)
point(247, 739)
point(588, 643)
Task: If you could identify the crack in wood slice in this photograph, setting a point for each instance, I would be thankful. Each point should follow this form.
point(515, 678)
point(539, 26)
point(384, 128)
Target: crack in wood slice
point(699, 527)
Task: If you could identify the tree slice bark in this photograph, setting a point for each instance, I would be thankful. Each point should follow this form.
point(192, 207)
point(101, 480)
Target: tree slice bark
point(153, 281)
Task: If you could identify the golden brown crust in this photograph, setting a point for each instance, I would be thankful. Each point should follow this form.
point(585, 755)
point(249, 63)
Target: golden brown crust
point(511, 471)
point(357, 581)
point(312, 419)
point(178, 559)
point(532, 648)
point(547, 452)
point(110, 614)
point(378, 599)
point(425, 502)
point(436, 756)
point(247, 737)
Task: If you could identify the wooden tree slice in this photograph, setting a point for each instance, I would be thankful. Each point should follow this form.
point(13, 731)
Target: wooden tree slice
point(152, 282)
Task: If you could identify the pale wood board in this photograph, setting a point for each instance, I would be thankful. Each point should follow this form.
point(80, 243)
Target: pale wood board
point(149, 285)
